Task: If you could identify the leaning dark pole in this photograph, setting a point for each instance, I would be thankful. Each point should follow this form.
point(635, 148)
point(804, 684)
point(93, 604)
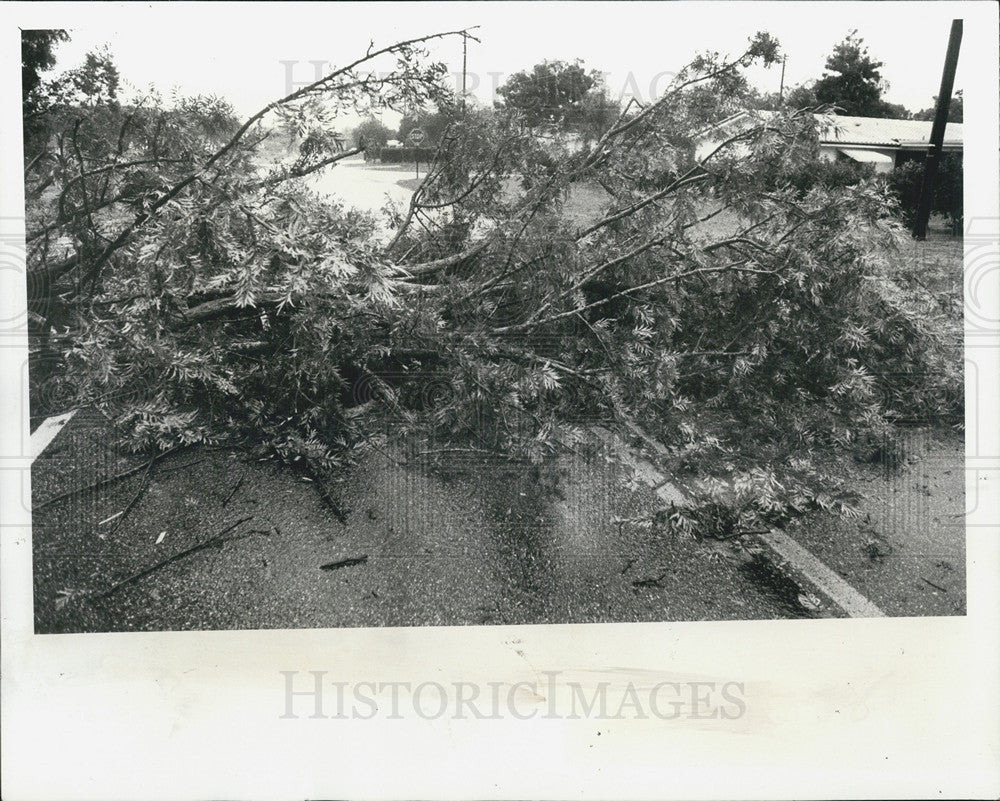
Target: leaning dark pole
point(937, 132)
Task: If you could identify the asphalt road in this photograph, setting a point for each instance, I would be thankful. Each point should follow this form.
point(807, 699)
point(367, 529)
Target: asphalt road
point(908, 554)
point(452, 542)
point(366, 187)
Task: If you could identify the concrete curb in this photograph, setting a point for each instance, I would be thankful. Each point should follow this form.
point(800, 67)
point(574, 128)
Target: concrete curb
point(793, 561)
point(46, 432)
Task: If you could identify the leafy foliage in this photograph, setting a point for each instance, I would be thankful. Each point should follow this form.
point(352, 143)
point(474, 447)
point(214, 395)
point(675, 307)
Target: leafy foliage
point(795, 97)
point(37, 56)
point(956, 109)
point(829, 174)
point(802, 97)
point(853, 82)
point(553, 92)
point(906, 182)
point(756, 327)
point(372, 135)
point(433, 123)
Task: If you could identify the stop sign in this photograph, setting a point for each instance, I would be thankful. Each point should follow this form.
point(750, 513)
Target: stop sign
point(417, 136)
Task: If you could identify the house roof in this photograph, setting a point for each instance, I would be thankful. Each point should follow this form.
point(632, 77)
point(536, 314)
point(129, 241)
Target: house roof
point(866, 131)
point(889, 133)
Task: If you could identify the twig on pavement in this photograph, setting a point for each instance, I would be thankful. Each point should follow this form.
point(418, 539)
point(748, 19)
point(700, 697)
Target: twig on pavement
point(215, 540)
point(105, 481)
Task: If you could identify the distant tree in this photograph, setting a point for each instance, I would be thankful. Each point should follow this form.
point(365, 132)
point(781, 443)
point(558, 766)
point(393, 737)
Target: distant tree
point(955, 109)
point(894, 111)
point(37, 56)
point(553, 92)
point(597, 113)
point(45, 101)
point(372, 134)
point(801, 96)
point(853, 82)
point(794, 97)
point(95, 82)
point(433, 124)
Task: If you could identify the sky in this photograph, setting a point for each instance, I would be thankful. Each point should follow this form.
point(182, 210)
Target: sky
point(249, 53)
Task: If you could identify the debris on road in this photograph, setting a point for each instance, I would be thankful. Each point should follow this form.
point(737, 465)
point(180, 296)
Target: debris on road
point(213, 541)
point(143, 485)
point(350, 562)
point(104, 481)
point(236, 486)
point(650, 582)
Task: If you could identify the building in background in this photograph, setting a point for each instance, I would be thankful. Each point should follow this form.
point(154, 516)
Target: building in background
point(883, 143)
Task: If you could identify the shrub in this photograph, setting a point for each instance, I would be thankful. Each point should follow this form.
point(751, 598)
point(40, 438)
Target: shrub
point(373, 135)
point(829, 174)
point(407, 155)
point(906, 182)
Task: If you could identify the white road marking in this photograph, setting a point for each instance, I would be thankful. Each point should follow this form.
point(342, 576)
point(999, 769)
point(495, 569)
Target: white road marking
point(787, 549)
point(646, 473)
point(47, 431)
point(832, 585)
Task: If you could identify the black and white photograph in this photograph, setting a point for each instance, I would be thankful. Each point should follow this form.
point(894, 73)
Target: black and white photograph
point(391, 350)
point(462, 318)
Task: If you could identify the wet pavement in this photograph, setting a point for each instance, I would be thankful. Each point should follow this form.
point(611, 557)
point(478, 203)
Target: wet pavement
point(908, 554)
point(367, 187)
point(458, 541)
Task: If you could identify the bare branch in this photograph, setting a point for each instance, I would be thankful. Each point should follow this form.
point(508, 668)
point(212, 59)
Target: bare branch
point(734, 267)
point(430, 267)
point(690, 177)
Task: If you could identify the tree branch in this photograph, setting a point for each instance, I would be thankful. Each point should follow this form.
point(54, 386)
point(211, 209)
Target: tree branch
point(589, 276)
point(735, 267)
point(430, 267)
point(690, 177)
point(304, 171)
point(142, 218)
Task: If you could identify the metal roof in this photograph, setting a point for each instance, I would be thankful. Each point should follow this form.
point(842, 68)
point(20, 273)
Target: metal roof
point(864, 131)
point(878, 131)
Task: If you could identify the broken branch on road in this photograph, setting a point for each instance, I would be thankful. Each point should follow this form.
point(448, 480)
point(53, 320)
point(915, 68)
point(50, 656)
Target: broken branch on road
point(106, 481)
point(214, 541)
point(349, 562)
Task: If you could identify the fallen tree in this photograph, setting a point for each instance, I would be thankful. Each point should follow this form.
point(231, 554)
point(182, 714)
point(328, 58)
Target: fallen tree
point(759, 332)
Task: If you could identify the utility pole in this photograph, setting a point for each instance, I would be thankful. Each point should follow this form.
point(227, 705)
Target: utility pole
point(465, 46)
point(781, 89)
point(937, 132)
